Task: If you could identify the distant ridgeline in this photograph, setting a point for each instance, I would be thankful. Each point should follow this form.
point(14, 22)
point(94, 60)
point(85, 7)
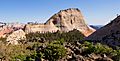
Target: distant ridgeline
point(96, 26)
point(64, 21)
point(2, 24)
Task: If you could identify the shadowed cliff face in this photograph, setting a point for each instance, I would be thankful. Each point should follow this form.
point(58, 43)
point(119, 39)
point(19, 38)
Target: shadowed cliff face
point(65, 20)
point(108, 29)
point(109, 33)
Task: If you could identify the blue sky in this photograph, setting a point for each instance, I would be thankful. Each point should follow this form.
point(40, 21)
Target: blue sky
point(96, 12)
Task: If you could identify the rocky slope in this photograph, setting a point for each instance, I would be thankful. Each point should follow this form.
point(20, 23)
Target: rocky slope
point(109, 34)
point(76, 53)
point(65, 20)
point(45, 47)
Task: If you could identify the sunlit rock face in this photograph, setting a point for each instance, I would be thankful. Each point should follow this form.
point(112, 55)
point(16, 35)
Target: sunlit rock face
point(65, 20)
point(109, 33)
point(14, 37)
point(5, 30)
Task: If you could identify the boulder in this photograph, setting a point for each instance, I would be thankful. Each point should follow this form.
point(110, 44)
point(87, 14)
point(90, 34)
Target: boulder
point(14, 37)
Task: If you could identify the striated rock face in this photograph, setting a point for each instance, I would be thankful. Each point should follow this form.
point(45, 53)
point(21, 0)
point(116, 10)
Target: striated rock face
point(109, 34)
point(65, 20)
point(16, 36)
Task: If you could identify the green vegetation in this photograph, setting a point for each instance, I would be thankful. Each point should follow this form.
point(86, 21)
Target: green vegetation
point(71, 36)
point(52, 47)
point(99, 48)
point(3, 40)
point(55, 50)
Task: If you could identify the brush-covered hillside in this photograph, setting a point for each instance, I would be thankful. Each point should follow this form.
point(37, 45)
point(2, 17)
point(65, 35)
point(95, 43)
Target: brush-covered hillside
point(57, 47)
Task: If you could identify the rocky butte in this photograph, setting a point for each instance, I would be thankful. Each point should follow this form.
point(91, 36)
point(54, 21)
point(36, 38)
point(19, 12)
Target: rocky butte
point(64, 21)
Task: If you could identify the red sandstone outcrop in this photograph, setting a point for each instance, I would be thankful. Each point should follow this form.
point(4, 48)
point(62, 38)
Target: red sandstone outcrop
point(5, 30)
point(9, 28)
point(65, 20)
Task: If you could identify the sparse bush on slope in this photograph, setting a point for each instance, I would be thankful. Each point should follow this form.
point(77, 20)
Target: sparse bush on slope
point(55, 50)
point(52, 52)
point(97, 48)
point(101, 49)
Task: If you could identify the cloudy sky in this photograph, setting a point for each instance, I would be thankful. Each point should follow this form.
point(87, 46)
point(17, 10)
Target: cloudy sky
point(97, 12)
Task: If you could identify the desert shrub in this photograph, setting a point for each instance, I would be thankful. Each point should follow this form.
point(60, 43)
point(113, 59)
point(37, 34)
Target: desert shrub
point(116, 56)
point(27, 52)
point(97, 48)
point(3, 40)
point(72, 36)
point(54, 51)
point(59, 41)
point(12, 52)
point(36, 56)
point(103, 49)
point(89, 47)
point(19, 57)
